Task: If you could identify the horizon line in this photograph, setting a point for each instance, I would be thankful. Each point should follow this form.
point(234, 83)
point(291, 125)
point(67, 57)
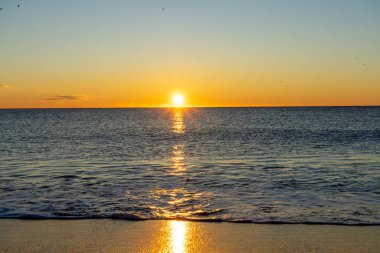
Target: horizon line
point(184, 107)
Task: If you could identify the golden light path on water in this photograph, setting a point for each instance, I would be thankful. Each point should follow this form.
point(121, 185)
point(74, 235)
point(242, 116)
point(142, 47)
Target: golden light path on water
point(174, 237)
point(178, 229)
point(174, 196)
point(178, 127)
point(177, 236)
point(178, 158)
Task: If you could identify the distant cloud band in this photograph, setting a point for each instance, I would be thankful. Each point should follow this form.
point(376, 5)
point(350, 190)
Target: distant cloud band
point(66, 98)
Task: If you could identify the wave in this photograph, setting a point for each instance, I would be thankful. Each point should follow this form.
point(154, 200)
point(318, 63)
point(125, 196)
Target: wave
point(134, 217)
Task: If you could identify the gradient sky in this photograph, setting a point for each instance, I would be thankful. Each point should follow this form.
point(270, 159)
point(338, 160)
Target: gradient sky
point(91, 53)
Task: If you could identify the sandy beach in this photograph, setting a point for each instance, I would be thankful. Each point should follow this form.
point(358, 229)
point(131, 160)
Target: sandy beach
point(181, 236)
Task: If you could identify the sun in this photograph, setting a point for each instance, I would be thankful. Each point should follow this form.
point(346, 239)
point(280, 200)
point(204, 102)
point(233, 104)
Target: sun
point(178, 100)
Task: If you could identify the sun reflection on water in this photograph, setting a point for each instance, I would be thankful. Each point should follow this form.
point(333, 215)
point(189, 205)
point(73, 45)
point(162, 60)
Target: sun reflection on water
point(178, 126)
point(178, 158)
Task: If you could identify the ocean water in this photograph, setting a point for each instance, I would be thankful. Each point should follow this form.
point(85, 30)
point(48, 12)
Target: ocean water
point(296, 165)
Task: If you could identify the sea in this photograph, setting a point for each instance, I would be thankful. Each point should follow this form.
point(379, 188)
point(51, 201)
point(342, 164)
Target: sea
point(308, 165)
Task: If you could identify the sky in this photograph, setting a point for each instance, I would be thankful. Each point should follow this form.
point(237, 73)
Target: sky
point(138, 53)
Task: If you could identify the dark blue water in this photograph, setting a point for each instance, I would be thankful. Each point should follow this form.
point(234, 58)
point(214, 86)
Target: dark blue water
point(235, 164)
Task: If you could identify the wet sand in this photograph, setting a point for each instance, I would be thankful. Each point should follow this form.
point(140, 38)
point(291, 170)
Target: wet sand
point(181, 236)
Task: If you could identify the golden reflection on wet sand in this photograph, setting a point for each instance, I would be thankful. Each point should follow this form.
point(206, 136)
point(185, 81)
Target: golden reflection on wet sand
point(178, 236)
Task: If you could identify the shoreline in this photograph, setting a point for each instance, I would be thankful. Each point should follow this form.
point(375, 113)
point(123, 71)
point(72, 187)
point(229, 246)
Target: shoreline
point(136, 218)
point(107, 235)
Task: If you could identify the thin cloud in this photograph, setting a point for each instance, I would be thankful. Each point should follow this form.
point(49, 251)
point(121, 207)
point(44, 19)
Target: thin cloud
point(4, 85)
point(66, 98)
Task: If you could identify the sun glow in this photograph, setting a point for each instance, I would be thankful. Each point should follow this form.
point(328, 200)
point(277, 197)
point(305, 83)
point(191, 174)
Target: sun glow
point(178, 100)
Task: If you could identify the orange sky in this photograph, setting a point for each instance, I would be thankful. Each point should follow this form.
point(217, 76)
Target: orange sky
point(133, 54)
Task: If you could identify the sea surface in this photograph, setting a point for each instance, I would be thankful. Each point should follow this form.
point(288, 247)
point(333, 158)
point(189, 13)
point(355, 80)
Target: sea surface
point(265, 165)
